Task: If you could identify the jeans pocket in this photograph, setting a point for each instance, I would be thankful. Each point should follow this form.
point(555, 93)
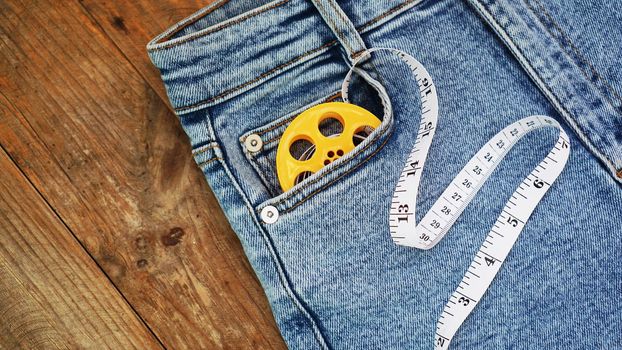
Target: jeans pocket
point(264, 160)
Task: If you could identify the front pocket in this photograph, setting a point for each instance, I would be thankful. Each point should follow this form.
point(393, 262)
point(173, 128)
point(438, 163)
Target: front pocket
point(263, 159)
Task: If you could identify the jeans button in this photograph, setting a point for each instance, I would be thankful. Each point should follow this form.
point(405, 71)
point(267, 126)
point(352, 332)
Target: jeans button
point(269, 214)
point(253, 143)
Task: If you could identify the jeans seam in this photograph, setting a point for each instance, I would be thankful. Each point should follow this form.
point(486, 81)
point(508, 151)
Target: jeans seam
point(204, 149)
point(281, 272)
point(220, 27)
point(294, 60)
point(258, 78)
point(276, 138)
point(208, 161)
point(321, 188)
point(193, 21)
point(578, 128)
point(346, 20)
point(386, 14)
point(576, 52)
point(333, 26)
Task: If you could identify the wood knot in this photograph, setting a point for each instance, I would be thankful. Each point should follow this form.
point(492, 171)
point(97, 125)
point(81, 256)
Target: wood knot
point(119, 23)
point(141, 243)
point(173, 237)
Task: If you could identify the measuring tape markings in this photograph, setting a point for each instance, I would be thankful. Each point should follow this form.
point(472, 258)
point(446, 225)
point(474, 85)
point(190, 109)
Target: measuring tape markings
point(467, 183)
point(509, 224)
point(463, 188)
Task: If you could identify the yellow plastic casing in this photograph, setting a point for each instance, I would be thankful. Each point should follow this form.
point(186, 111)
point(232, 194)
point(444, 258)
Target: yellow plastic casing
point(306, 126)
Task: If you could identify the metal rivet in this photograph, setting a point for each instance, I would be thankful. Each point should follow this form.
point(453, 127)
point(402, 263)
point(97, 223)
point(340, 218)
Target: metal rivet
point(253, 143)
point(269, 214)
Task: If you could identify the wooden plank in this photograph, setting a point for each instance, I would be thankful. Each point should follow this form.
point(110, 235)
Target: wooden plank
point(52, 294)
point(132, 24)
point(104, 150)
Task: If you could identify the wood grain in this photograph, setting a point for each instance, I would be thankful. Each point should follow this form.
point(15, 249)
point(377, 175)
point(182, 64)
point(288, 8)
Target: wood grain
point(132, 24)
point(87, 128)
point(52, 294)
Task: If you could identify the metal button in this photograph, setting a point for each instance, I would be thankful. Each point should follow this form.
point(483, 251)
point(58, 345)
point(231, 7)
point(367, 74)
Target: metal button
point(269, 214)
point(253, 143)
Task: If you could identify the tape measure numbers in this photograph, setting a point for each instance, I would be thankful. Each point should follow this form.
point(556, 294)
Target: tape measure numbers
point(456, 197)
point(467, 183)
point(448, 207)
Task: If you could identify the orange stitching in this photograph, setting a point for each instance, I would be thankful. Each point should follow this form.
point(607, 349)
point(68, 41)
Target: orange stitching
point(290, 62)
point(346, 20)
point(207, 148)
point(333, 97)
point(356, 54)
point(335, 179)
point(333, 26)
point(388, 13)
point(261, 76)
point(220, 27)
point(327, 99)
point(195, 20)
point(272, 140)
point(209, 161)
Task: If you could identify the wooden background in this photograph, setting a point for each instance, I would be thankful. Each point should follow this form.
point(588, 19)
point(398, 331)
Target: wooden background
point(109, 235)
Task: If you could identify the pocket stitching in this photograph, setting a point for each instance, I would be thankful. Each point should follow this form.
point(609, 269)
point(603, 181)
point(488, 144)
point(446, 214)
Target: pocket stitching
point(204, 149)
point(278, 123)
point(209, 161)
point(386, 134)
point(329, 98)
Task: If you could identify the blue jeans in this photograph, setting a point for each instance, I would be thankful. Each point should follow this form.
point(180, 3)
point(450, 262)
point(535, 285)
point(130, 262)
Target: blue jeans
point(332, 274)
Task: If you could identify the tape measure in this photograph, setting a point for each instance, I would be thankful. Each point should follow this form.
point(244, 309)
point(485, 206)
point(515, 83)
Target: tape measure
point(448, 207)
point(446, 210)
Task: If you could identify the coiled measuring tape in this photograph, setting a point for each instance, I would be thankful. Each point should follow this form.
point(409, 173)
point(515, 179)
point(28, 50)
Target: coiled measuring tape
point(354, 121)
point(448, 207)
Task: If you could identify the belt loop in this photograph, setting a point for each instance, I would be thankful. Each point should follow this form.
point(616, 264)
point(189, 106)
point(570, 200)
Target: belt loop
point(343, 28)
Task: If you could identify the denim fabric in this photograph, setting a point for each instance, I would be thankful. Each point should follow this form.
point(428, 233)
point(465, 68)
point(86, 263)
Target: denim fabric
point(329, 268)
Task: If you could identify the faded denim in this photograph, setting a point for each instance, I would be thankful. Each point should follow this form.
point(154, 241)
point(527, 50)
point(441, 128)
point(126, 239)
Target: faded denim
point(329, 268)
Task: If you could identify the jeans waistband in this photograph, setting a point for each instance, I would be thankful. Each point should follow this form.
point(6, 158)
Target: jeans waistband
point(218, 52)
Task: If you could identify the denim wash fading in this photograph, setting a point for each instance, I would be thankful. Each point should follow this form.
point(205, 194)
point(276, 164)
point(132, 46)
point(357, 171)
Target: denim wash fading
point(329, 268)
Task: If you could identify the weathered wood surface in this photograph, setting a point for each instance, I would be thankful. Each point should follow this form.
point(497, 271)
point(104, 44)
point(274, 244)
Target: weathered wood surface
point(83, 116)
point(52, 294)
point(131, 24)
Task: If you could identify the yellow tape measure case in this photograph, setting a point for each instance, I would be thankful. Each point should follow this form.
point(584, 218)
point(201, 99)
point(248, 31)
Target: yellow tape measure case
point(323, 146)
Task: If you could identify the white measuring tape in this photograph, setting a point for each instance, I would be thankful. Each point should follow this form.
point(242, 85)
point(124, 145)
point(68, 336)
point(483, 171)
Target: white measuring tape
point(448, 207)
